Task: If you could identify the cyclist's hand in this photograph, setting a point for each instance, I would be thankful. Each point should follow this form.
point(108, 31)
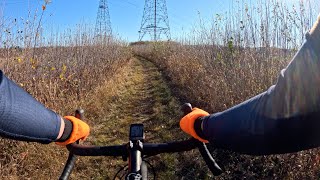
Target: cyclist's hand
point(188, 121)
point(80, 130)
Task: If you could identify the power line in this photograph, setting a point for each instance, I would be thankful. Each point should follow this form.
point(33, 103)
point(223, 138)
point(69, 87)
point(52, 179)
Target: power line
point(128, 2)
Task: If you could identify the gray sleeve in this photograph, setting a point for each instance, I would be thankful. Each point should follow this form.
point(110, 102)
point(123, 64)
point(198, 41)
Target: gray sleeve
point(22, 117)
point(285, 118)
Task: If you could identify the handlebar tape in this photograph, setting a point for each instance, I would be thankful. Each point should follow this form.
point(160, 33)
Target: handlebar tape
point(68, 168)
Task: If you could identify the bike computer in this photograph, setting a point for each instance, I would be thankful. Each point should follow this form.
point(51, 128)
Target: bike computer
point(136, 132)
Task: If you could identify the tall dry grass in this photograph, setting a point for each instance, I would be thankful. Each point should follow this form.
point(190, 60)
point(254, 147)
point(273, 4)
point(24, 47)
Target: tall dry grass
point(237, 56)
point(61, 70)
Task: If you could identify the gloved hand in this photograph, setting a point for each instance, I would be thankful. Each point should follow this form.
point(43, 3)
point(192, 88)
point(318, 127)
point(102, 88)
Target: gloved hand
point(187, 123)
point(80, 130)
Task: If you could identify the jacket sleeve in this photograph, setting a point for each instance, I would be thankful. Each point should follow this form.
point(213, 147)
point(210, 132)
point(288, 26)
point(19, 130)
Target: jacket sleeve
point(24, 118)
point(284, 119)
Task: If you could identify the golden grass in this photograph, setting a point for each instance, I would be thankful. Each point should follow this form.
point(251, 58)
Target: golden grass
point(216, 80)
point(239, 56)
point(62, 78)
point(214, 68)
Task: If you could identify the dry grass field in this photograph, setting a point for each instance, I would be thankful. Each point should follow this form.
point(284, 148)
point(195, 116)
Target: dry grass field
point(237, 56)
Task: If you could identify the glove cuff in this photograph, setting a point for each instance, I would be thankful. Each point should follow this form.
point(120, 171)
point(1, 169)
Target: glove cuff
point(198, 129)
point(67, 130)
point(74, 136)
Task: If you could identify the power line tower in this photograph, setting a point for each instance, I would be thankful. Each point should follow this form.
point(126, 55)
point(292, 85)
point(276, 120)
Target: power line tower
point(155, 20)
point(103, 24)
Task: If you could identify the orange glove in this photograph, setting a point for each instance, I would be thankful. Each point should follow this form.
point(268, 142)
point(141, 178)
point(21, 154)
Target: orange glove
point(187, 122)
point(80, 130)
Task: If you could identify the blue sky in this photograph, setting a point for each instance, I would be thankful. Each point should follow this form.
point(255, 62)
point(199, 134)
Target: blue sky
point(125, 15)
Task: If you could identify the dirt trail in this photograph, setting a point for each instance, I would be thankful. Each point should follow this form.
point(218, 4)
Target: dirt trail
point(140, 96)
point(137, 94)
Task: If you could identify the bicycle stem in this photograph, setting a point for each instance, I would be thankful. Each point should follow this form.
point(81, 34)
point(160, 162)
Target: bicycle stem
point(135, 160)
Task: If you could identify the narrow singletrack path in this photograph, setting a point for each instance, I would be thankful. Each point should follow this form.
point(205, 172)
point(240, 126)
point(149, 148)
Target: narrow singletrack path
point(141, 96)
point(137, 94)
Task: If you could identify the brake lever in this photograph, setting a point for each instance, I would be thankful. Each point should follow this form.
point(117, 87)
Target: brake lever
point(71, 157)
point(207, 157)
point(205, 153)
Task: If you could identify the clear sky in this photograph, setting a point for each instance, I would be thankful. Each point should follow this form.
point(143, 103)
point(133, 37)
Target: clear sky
point(125, 15)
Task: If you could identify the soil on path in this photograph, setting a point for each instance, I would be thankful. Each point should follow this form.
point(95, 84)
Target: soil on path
point(137, 94)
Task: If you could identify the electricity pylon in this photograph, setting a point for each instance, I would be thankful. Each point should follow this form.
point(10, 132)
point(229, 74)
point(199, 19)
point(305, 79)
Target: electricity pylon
point(155, 20)
point(103, 24)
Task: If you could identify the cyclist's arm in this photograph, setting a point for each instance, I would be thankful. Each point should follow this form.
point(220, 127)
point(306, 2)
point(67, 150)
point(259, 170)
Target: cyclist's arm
point(24, 118)
point(285, 118)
